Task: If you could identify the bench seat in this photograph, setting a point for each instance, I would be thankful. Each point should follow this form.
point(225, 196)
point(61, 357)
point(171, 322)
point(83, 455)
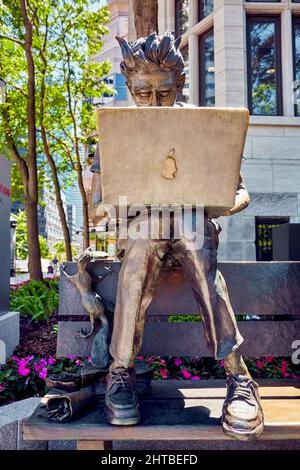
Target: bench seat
point(176, 410)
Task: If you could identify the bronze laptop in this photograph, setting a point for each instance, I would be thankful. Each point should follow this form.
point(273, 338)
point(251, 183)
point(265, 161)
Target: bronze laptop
point(168, 155)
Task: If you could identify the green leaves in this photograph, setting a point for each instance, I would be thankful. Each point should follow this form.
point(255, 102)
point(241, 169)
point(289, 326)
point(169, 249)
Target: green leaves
point(36, 299)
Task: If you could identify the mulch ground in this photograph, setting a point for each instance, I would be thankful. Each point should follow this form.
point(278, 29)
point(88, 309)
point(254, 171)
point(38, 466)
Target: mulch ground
point(37, 338)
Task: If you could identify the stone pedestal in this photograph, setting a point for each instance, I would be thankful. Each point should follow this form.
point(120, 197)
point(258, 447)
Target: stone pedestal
point(9, 334)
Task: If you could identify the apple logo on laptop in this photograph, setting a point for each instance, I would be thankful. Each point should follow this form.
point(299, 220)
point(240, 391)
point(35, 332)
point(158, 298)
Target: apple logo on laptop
point(169, 166)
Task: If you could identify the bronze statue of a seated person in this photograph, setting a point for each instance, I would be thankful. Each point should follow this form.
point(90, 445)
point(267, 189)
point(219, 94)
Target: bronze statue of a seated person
point(154, 70)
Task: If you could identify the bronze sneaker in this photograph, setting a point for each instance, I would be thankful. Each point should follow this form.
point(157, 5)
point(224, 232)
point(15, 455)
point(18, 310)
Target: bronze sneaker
point(242, 416)
point(121, 399)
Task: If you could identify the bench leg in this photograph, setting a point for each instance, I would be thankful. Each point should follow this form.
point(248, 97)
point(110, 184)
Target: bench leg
point(94, 445)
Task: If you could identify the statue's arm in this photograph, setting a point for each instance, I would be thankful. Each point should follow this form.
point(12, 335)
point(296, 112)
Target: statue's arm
point(242, 198)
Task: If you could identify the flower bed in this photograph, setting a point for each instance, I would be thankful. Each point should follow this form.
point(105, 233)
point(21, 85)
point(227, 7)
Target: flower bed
point(25, 377)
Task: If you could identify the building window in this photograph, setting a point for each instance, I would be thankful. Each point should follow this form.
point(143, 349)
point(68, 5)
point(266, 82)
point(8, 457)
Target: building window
point(205, 8)
point(296, 40)
point(264, 65)
point(207, 69)
point(185, 92)
point(263, 241)
point(181, 16)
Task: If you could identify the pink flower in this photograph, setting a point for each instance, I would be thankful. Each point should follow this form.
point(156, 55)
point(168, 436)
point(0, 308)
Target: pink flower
point(186, 374)
point(222, 363)
point(195, 377)
point(78, 362)
point(140, 358)
point(22, 362)
point(23, 371)
point(178, 362)
point(163, 372)
point(150, 361)
point(43, 362)
point(283, 368)
point(269, 358)
point(1, 388)
point(89, 358)
point(162, 361)
point(51, 361)
point(43, 373)
point(260, 364)
point(37, 367)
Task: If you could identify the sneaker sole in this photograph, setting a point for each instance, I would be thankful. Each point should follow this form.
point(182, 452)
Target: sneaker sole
point(124, 421)
point(243, 435)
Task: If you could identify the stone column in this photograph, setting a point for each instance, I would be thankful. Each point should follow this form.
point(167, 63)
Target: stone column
point(229, 34)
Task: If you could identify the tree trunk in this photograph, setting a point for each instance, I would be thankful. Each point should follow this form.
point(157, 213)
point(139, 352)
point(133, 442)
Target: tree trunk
point(85, 206)
point(58, 199)
point(145, 17)
point(31, 196)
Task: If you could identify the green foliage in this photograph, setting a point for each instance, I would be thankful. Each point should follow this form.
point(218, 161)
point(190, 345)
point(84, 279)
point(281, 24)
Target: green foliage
point(60, 250)
point(21, 238)
point(21, 378)
point(66, 35)
point(44, 247)
point(36, 299)
point(183, 318)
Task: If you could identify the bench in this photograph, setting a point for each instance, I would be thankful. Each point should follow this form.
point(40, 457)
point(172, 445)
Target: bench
point(184, 409)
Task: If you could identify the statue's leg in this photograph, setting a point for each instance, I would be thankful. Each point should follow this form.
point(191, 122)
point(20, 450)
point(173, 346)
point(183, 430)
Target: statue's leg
point(137, 281)
point(209, 287)
point(242, 416)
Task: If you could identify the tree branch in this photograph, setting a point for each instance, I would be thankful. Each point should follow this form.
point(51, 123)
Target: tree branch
point(11, 38)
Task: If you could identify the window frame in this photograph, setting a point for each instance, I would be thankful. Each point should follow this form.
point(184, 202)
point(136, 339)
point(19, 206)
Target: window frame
point(263, 18)
point(295, 20)
point(201, 40)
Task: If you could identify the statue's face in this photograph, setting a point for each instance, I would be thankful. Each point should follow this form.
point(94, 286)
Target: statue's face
point(155, 88)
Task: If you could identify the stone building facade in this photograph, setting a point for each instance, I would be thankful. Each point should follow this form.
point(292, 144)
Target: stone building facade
point(243, 53)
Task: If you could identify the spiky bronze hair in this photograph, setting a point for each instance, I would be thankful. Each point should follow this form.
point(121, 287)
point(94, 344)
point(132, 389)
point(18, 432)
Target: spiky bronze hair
point(154, 51)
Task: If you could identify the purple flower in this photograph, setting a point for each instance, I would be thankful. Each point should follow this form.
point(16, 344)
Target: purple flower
point(78, 362)
point(1, 388)
point(43, 373)
point(43, 362)
point(37, 367)
point(195, 377)
point(23, 371)
point(186, 374)
point(89, 358)
point(51, 361)
point(222, 363)
point(71, 357)
point(178, 362)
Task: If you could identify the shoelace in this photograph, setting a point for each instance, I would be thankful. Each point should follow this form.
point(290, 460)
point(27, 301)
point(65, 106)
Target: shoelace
point(242, 391)
point(120, 377)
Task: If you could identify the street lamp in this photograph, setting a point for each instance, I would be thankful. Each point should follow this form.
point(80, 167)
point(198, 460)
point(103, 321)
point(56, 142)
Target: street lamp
point(2, 91)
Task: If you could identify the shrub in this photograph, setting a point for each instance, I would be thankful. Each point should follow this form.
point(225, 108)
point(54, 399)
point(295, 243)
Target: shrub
point(36, 299)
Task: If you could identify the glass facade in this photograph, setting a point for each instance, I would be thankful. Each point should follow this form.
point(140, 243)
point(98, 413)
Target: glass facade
point(181, 16)
point(264, 67)
point(205, 8)
point(207, 69)
point(296, 39)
